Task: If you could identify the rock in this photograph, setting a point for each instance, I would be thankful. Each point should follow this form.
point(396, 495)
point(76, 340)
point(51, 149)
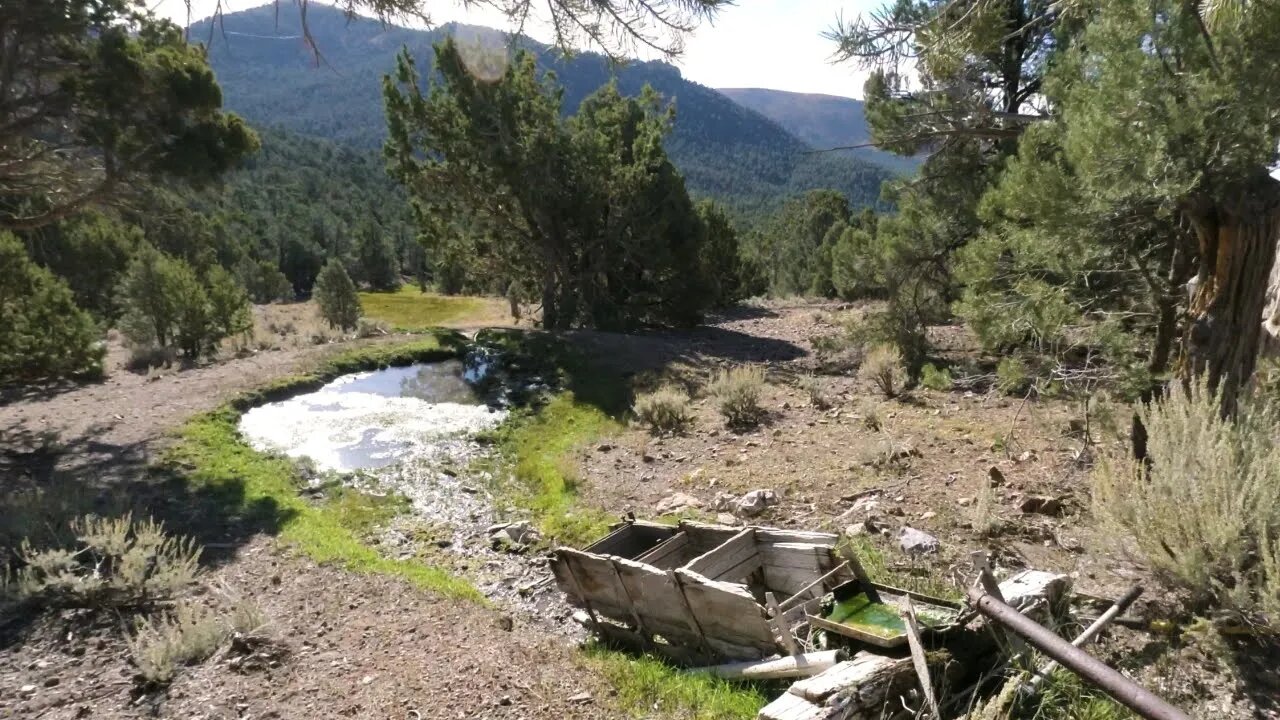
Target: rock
point(859, 529)
point(964, 501)
point(1027, 456)
point(604, 447)
point(515, 535)
point(1042, 505)
point(678, 501)
point(996, 477)
point(726, 519)
point(646, 458)
point(928, 515)
point(581, 698)
point(506, 623)
point(723, 502)
point(27, 689)
point(916, 542)
point(495, 528)
point(505, 700)
point(895, 511)
point(756, 502)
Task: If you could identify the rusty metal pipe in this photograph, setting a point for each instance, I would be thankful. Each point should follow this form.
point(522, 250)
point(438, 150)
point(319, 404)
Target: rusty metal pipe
point(1120, 688)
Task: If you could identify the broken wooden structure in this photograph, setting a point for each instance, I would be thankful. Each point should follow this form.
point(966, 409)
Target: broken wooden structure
point(703, 594)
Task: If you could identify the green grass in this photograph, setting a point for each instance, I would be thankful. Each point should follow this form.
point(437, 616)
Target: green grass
point(411, 309)
point(210, 454)
point(647, 686)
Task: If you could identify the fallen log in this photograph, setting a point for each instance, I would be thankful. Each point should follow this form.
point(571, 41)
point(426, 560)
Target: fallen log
point(792, 666)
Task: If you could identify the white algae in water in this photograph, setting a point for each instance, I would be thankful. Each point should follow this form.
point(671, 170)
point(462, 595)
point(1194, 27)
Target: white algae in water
point(374, 419)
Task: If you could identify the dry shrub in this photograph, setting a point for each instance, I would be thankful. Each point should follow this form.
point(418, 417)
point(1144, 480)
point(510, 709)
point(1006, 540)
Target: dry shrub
point(367, 328)
point(986, 523)
point(664, 410)
point(883, 368)
point(144, 357)
point(870, 416)
point(107, 562)
point(819, 398)
point(188, 634)
point(737, 392)
point(1206, 514)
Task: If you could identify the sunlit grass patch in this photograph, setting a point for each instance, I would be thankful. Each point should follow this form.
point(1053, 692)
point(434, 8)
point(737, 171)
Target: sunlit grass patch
point(647, 687)
point(410, 309)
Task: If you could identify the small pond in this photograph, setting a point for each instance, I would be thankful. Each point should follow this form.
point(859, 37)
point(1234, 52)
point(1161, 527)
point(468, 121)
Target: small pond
point(374, 419)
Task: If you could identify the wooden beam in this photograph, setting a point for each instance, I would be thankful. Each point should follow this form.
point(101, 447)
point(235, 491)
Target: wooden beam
point(780, 625)
point(794, 666)
point(917, 656)
point(796, 598)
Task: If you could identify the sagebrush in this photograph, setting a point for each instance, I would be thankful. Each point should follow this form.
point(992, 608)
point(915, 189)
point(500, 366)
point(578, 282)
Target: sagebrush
point(1205, 509)
point(883, 368)
point(737, 394)
point(104, 562)
point(189, 633)
point(819, 396)
point(664, 410)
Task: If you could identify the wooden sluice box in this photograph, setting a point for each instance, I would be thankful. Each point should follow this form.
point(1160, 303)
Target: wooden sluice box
point(698, 592)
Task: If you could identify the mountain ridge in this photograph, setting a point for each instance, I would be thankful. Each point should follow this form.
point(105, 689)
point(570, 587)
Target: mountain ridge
point(271, 77)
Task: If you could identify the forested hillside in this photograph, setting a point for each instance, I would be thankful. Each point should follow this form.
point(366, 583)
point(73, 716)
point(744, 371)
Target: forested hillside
point(269, 76)
point(823, 121)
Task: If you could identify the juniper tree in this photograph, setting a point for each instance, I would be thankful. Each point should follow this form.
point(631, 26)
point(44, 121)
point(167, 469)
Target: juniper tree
point(336, 296)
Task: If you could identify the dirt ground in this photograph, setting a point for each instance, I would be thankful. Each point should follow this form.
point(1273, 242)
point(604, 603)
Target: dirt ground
point(363, 646)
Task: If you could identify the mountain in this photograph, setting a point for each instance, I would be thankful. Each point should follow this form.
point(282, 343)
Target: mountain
point(822, 121)
point(271, 77)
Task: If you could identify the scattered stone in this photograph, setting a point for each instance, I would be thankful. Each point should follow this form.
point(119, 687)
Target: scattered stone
point(895, 511)
point(928, 515)
point(1027, 456)
point(916, 542)
point(646, 458)
point(604, 447)
point(581, 698)
point(996, 477)
point(505, 701)
point(443, 543)
point(964, 501)
point(1042, 505)
point(756, 502)
point(723, 502)
point(506, 623)
point(27, 689)
point(678, 501)
point(515, 536)
point(726, 519)
point(859, 529)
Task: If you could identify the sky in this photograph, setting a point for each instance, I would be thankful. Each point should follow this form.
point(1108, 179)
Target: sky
point(774, 44)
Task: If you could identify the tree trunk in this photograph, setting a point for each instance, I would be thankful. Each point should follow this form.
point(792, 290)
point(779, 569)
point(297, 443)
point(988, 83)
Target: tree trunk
point(1237, 251)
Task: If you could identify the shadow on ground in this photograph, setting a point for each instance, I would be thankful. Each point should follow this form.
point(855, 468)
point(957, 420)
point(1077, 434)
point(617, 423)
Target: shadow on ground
point(48, 482)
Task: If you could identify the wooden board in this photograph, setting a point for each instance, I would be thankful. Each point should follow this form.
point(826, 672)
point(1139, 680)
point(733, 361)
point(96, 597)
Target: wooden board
point(706, 536)
point(792, 707)
point(854, 678)
point(789, 567)
point(778, 535)
point(631, 540)
point(732, 560)
point(728, 611)
point(670, 553)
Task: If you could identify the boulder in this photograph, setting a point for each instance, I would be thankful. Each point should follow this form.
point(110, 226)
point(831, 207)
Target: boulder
point(677, 502)
point(756, 502)
point(916, 542)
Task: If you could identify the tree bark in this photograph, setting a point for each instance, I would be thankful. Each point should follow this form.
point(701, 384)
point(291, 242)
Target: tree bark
point(1237, 234)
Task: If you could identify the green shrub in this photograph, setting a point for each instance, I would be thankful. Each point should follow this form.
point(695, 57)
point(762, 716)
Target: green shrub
point(1012, 376)
point(1207, 507)
point(166, 304)
point(883, 368)
point(665, 410)
point(367, 328)
point(737, 392)
point(936, 379)
point(104, 562)
point(42, 332)
point(336, 295)
point(188, 634)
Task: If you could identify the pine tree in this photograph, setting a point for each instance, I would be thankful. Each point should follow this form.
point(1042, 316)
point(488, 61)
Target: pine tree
point(43, 334)
point(228, 303)
point(336, 296)
point(376, 257)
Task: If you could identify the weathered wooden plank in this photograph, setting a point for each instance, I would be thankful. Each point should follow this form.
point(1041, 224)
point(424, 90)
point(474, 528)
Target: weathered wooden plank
point(717, 563)
point(791, 666)
point(792, 707)
point(865, 678)
point(815, 587)
point(705, 536)
point(778, 535)
point(801, 555)
point(728, 611)
point(669, 553)
point(631, 540)
point(657, 601)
